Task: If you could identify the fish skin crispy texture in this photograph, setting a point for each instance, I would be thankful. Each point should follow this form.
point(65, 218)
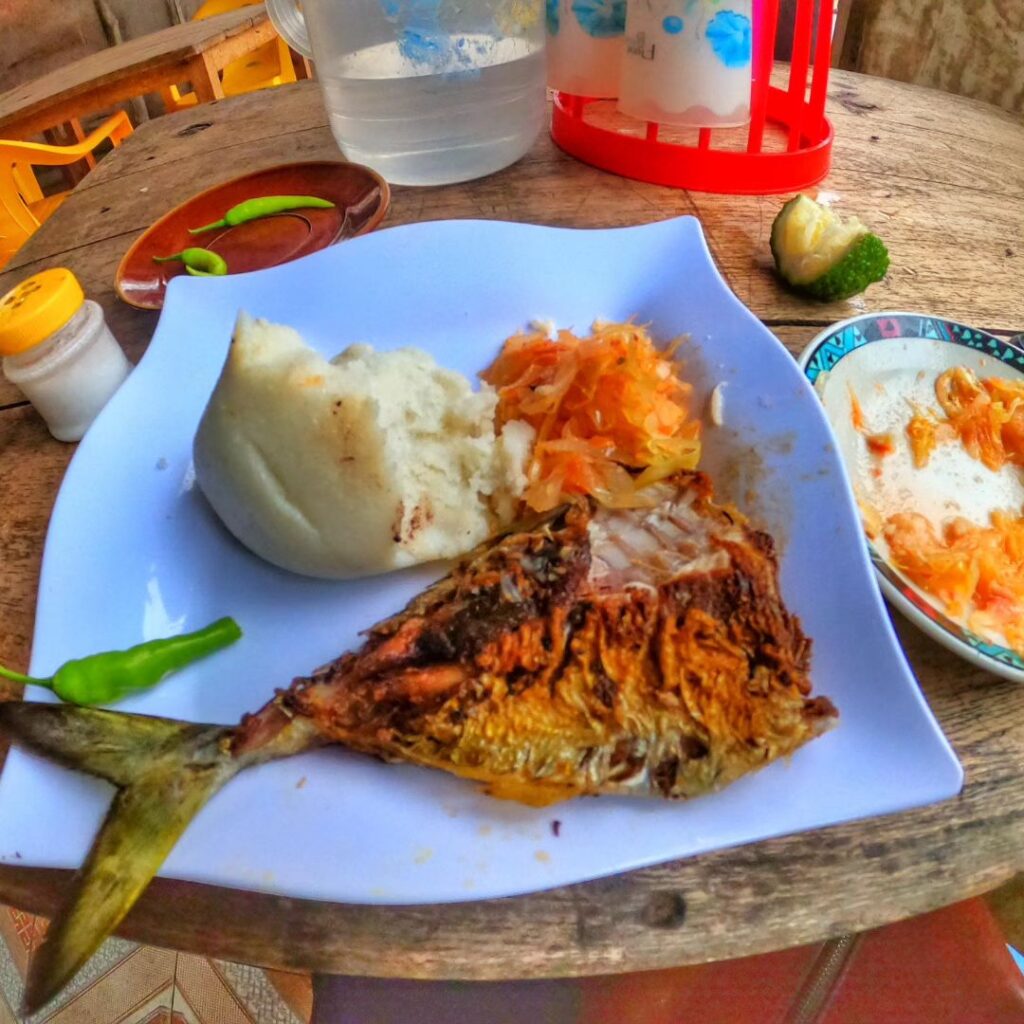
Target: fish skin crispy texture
point(522, 672)
point(645, 652)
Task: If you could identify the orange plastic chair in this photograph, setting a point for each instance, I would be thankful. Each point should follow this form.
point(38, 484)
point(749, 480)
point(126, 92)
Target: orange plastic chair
point(23, 207)
point(269, 65)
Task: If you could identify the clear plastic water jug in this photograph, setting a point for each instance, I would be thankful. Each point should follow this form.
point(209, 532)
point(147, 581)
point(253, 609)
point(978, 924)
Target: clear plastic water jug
point(426, 92)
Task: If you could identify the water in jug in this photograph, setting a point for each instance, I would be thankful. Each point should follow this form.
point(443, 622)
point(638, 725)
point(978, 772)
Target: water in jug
point(426, 92)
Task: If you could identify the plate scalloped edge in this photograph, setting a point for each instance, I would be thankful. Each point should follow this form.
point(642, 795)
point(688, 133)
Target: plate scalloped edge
point(363, 832)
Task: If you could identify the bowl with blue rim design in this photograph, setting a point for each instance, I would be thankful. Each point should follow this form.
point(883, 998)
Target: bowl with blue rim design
point(871, 372)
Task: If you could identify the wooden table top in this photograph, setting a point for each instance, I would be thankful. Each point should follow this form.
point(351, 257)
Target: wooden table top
point(136, 66)
point(942, 179)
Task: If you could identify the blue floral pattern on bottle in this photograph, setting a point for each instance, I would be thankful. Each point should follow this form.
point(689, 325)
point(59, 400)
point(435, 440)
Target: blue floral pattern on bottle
point(553, 17)
point(420, 36)
point(601, 19)
point(422, 48)
point(672, 25)
point(730, 37)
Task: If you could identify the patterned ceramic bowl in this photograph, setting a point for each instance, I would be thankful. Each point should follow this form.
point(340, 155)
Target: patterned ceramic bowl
point(882, 364)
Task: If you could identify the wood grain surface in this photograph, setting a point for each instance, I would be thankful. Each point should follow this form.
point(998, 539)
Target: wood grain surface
point(191, 50)
point(973, 49)
point(942, 179)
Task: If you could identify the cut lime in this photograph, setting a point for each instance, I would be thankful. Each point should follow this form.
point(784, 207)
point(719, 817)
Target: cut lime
point(824, 256)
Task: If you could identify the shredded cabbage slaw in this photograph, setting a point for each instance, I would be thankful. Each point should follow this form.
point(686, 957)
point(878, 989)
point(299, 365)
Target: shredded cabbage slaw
point(975, 572)
point(610, 411)
point(986, 415)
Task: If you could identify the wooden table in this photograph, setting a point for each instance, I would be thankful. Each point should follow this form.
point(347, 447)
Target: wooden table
point(194, 52)
point(943, 180)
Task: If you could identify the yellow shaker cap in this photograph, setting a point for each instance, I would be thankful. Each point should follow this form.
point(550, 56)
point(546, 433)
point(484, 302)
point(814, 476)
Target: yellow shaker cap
point(36, 308)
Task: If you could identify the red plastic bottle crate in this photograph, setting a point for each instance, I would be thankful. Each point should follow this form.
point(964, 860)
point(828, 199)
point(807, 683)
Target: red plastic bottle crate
point(634, 150)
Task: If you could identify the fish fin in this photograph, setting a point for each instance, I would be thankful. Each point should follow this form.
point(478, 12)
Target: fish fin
point(112, 746)
point(165, 772)
point(518, 788)
point(523, 791)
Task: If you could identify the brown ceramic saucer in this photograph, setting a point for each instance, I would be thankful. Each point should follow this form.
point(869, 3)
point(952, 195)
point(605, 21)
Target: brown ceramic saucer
point(361, 199)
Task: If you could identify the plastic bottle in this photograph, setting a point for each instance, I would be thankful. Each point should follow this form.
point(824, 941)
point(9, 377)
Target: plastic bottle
point(426, 92)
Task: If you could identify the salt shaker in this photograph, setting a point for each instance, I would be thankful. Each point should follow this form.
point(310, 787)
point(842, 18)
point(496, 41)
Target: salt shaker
point(58, 350)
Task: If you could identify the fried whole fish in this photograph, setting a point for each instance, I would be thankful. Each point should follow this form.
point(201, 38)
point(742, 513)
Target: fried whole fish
point(594, 651)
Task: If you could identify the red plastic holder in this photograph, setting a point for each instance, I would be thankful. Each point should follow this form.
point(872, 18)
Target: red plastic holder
point(799, 150)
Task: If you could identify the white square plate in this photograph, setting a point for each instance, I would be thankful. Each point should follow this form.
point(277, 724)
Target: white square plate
point(133, 552)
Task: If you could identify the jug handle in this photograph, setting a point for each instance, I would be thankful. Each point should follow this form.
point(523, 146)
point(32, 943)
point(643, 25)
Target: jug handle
point(290, 24)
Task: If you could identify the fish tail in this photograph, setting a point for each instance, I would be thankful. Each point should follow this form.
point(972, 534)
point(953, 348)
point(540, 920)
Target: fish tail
point(164, 771)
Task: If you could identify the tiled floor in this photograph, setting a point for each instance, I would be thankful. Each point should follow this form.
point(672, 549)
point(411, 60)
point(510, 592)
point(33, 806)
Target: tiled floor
point(129, 984)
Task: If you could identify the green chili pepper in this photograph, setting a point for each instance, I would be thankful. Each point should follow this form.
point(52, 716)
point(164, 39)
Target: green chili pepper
point(105, 678)
point(253, 209)
point(198, 262)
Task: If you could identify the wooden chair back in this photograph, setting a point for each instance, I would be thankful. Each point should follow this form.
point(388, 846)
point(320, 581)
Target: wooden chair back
point(973, 48)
